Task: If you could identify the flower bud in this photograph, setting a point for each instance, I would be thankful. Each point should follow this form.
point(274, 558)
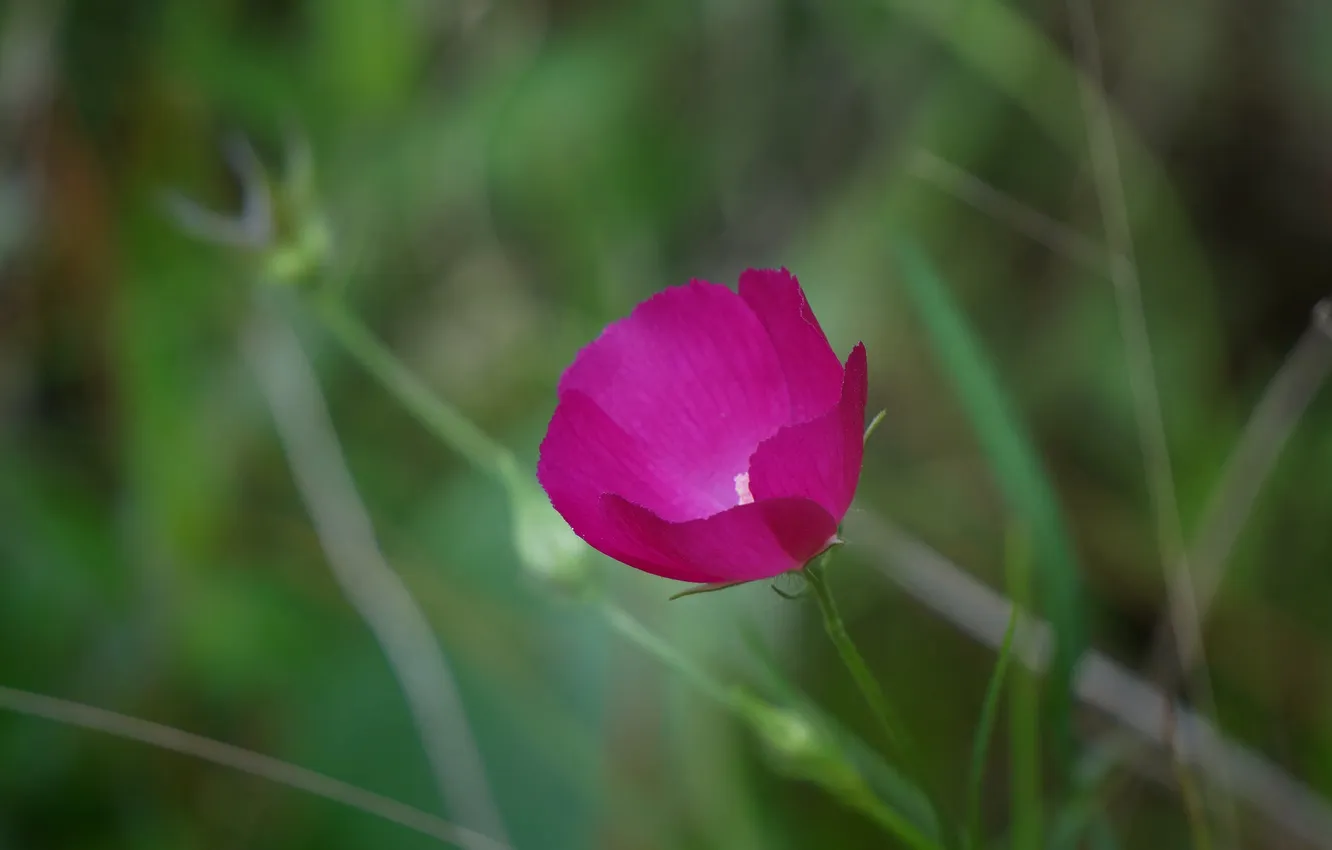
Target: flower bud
point(547, 548)
point(799, 748)
point(281, 226)
point(302, 238)
point(296, 256)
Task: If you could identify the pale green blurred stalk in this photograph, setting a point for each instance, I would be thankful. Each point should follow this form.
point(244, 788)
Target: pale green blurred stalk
point(255, 764)
point(346, 534)
point(441, 419)
point(1183, 603)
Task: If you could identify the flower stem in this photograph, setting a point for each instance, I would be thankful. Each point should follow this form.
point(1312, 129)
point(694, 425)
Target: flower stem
point(851, 657)
point(438, 416)
point(839, 778)
point(889, 820)
point(636, 633)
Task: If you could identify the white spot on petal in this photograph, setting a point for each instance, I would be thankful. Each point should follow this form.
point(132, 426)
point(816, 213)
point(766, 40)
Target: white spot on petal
point(742, 488)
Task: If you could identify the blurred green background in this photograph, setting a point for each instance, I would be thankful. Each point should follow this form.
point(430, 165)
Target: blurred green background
point(501, 179)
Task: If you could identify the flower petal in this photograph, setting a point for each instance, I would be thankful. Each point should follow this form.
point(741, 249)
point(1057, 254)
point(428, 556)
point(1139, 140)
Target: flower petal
point(585, 454)
point(692, 375)
point(813, 372)
point(818, 460)
point(746, 543)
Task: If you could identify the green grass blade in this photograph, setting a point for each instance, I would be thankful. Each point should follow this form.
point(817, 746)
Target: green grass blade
point(985, 733)
point(1024, 716)
point(1075, 825)
point(1018, 471)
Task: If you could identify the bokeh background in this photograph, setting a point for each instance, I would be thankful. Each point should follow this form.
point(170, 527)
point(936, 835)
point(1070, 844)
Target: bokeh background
point(498, 180)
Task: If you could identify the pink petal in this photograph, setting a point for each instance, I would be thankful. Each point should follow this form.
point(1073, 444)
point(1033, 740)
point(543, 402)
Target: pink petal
point(818, 460)
point(813, 372)
point(692, 375)
point(583, 456)
point(746, 543)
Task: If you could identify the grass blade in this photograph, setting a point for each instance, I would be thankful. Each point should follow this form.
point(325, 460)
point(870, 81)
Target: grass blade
point(1019, 473)
point(1024, 715)
point(985, 733)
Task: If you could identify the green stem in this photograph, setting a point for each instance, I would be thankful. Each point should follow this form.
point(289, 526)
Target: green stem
point(856, 793)
point(635, 632)
point(985, 733)
point(439, 417)
point(888, 720)
point(1024, 713)
point(851, 657)
point(1196, 812)
point(889, 820)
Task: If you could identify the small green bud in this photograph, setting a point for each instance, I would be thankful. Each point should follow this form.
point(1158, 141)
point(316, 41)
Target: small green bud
point(281, 226)
point(296, 256)
point(547, 548)
point(303, 239)
point(799, 748)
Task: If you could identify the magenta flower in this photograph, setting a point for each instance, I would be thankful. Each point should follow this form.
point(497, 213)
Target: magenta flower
point(709, 436)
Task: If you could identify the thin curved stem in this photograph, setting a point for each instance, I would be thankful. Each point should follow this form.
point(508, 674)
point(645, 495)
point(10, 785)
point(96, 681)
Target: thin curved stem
point(980, 745)
point(1282, 406)
point(1186, 621)
point(346, 534)
point(851, 657)
point(438, 416)
point(890, 820)
point(228, 755)
point(857, 794)
point(636, 633)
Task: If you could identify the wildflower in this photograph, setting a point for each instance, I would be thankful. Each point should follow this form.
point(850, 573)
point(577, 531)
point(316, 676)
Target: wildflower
point(710, 436)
